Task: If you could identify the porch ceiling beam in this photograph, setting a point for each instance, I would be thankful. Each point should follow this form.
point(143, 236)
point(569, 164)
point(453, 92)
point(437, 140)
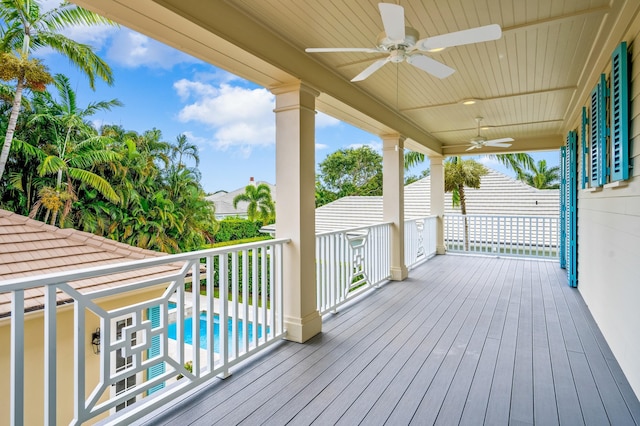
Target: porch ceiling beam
point(558, 19)
point(549, 143)
point(494, 98)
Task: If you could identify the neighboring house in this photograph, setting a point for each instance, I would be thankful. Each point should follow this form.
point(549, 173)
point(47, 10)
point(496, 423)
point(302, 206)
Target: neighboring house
point(498, 195)
point(223, 201)
point(29, 247)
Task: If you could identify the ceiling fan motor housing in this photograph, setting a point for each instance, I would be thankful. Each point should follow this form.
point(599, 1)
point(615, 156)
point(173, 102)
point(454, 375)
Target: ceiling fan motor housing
point(411, 36)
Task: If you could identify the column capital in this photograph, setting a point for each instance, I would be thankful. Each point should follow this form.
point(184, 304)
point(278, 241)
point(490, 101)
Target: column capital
point(297, 86)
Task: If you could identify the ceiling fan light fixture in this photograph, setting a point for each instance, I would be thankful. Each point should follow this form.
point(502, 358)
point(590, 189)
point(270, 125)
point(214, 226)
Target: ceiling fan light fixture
point(470, 101)
point(436, 49)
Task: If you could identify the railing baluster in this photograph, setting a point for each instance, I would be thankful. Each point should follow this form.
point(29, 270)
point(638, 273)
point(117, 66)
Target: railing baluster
point(50, 355)
point(17, 357)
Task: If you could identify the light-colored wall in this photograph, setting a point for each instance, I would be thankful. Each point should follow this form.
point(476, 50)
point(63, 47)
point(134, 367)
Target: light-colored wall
point(609, 245)
point(34, 361)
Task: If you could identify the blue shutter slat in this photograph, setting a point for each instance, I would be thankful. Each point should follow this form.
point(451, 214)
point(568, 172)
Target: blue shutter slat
point(620, 113)
point(155, 370)
point(572, 199)
point(594, 158)
point(585, 149)
point(563, 207)
point(598, 133)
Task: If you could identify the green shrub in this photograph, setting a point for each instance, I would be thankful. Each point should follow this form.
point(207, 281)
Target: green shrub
point(235, 228)
point(242, 241)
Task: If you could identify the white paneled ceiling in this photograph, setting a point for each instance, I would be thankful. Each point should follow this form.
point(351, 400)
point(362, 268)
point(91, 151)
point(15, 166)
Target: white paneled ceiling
point(528, 84)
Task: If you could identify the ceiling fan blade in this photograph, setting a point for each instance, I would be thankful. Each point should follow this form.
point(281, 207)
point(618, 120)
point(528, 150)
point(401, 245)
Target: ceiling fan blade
point(472, 147)
point(493, 141)
point(499, 145)
point(431, 66)
point(370, 69)
point(341, 49)
point(459, 38)
point(392, 20)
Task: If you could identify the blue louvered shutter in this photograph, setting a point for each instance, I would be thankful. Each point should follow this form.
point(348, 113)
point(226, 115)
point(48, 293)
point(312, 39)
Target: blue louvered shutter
point(572, 208)
point(155, 370)
point(585, 149)
point(598, 133)
point(620, 113)
point(563, 207)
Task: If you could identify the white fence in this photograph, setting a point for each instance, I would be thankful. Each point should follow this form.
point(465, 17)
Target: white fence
point(251, 320)
point(419, 240)
point(350, 261)
point(530, 236)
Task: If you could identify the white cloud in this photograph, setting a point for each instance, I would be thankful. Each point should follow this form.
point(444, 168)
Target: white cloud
point(324, 120)
point(132, 50)
point(487, 161)
point(320, 146)
point(241, 118)
point(96, 36)
point(376, 146)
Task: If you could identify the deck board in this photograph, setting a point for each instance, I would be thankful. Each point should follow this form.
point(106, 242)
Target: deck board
point(464, 340)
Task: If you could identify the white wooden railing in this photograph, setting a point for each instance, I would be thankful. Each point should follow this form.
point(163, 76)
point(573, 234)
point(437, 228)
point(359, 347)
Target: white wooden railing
point(419, 240)
point(233, 268)
point(530, 236)
point(349, 262)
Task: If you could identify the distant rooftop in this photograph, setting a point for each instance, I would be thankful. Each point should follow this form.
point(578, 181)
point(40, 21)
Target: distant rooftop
point(498, 195)
point(223, 201)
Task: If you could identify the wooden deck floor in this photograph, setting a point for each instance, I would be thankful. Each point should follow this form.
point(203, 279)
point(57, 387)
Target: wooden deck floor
point(465, 340)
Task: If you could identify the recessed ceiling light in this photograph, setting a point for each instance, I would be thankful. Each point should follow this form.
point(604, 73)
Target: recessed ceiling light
point(436, 49)
point(469, 101)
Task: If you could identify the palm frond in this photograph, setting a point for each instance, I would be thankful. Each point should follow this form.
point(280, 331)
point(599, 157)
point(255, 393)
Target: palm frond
point(81, 55)
point(94, 181)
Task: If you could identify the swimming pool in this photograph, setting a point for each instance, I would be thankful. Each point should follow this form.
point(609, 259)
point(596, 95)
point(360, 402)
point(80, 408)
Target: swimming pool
point(188, 330)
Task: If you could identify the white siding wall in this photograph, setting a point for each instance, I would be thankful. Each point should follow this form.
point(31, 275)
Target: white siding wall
point(609, 246)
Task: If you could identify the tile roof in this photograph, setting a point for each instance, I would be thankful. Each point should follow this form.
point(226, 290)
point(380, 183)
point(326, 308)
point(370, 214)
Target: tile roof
point(498, 195)
point(30, 247)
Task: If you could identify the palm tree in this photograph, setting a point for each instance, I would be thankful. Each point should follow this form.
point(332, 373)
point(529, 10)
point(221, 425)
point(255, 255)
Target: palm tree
point(458, 174)
point(261, 206)
point(184, 148)
point(77, 147)
point(542, 177)
point(25, 30)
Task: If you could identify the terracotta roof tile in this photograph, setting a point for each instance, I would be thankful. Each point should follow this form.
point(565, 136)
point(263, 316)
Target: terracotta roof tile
point(29, 247)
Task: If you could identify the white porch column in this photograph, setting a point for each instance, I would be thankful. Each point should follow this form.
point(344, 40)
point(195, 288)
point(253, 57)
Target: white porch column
point(437, 199)
point(393, 200)
point(295, 207)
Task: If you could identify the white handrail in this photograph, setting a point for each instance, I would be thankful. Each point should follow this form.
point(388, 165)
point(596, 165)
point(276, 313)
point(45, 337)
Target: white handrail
point(529, 236)
point(246, 327)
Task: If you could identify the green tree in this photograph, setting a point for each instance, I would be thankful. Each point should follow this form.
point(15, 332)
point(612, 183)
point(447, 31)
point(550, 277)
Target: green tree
point(261, 207)
point(458, 175)
point(76, 147)
point(184, 148)
point(351, 171)
point(542, 177)
point(24, 30)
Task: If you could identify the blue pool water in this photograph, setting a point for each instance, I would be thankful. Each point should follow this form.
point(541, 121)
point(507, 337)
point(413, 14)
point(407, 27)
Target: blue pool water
point(188, 338)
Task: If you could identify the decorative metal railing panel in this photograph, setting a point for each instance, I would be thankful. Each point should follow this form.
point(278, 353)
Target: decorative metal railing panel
point(419, 240)
point(350, 261)
point(241, 290)
point(529, 236)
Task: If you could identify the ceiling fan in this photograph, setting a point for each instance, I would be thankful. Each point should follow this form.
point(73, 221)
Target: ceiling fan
point(403, 43)
point(480, 141)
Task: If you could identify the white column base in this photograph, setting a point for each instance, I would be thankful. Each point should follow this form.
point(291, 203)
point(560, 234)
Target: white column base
point(399, 273)
point(302, 329)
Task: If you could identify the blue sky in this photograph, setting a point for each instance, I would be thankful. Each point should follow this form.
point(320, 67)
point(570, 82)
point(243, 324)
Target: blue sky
point(230, 119)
